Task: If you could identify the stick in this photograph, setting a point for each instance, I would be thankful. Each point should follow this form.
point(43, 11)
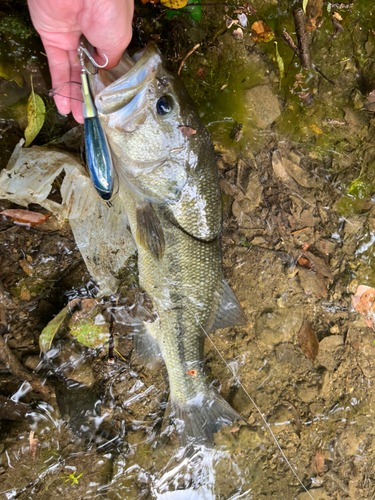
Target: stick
point(16, 368)
point(303, 44)
point(187, 55)
point(323, 76)
point(289, 41)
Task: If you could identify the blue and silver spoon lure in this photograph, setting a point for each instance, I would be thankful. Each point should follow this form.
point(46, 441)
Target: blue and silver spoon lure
point(98, 155)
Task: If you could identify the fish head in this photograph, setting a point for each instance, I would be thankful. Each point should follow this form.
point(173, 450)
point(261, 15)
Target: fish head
point(142, 113)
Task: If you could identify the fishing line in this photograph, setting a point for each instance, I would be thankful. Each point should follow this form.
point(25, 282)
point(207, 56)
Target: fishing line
point(56, 91)
point(236, 378)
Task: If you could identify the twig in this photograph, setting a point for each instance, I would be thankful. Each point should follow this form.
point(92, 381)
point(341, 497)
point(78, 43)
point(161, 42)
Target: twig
point(289, 41)
point(300, 230)
point(16, 368)
point(322, 75)
point(111, 344)
point(303, 44)
point(187, 55)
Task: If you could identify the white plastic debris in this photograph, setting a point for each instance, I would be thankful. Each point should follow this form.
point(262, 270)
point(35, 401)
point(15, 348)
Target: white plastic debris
point(242, 19)
point(101, 234)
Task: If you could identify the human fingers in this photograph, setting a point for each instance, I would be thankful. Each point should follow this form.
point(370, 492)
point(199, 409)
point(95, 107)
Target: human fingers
point(75, 90)
point(108, 28)
point(59, 64)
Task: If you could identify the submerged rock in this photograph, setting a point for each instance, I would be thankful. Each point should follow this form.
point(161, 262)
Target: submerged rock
point(264, 105)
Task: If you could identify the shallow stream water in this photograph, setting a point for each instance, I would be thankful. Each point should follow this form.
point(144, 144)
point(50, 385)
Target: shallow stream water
point(298, 193)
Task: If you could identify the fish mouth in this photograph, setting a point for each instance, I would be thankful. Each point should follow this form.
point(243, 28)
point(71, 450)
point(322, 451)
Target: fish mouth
point(133, 84)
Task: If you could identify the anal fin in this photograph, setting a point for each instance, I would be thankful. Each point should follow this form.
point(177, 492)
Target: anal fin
point(230, 312)
point(150, 233)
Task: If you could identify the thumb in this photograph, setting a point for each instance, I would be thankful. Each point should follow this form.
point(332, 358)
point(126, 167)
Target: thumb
point(113, 50)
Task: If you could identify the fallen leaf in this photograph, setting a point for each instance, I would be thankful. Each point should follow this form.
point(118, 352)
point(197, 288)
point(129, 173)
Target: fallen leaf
point(236, 132)
point(25, 293)
point(26, 267)
point(237, 34)
point(337, 16)
point(33, 440)
point(261, 32)
point(85, 327)
point(314, 13)
point(316, 129)
point(228, 22)
point(186, 131)
point(36, 113)
point(26, 216)
point(308, 341)
point(280, 63)
point(363, 299)
point(49, 332)
point(304, 263)
point(317, 462)
point(200, 72)
point(337, 25)
point(174, 4)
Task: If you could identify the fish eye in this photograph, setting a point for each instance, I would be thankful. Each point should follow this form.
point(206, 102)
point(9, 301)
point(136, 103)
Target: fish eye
point(164, 105)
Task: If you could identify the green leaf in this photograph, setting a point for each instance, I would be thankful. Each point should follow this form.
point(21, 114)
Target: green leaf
point(280, 63)
point(8, 72)
point(304, 5)
point(90, 335)
point(194, 11)
point(329, 7)
point(36, 113)
point(49, 332)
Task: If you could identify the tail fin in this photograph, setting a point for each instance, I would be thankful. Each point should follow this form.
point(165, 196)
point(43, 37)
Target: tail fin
point(200, 418)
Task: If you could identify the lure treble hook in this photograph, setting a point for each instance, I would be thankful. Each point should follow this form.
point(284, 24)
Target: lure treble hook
point(98, 156)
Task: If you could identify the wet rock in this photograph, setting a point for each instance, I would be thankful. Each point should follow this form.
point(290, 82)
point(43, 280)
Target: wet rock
point(312, 283)
point(264, 105)
point(329, 352)
point(274, 327)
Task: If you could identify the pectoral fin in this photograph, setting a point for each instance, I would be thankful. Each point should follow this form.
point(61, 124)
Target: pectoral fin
point(230, 312)
point(150, 233)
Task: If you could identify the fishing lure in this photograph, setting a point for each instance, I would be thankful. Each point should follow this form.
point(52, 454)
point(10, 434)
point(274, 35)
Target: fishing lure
point(98, 156)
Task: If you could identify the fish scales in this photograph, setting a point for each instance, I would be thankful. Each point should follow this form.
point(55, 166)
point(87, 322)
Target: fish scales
point(184, 285)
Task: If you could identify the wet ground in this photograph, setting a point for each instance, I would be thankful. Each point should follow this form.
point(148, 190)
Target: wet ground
point(298, 187)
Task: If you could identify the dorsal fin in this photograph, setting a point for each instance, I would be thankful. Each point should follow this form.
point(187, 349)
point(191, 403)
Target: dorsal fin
point(230, 313)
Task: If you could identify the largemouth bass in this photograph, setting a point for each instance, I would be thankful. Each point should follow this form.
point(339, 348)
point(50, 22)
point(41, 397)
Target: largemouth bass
point(165, 159)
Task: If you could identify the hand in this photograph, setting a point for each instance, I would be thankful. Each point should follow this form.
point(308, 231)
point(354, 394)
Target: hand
point(60, 23)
